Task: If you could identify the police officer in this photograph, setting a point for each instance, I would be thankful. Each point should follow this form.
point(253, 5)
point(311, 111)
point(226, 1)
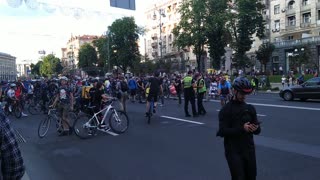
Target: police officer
point(237, 124)
point(189, 94)
point(201, 91)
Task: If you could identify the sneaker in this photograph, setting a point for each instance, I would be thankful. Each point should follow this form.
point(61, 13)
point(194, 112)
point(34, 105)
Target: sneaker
point(10, 109)
point(24, 115)
point(154, 110)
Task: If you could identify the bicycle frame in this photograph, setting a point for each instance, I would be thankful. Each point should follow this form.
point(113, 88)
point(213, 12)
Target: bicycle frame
point(95, 117)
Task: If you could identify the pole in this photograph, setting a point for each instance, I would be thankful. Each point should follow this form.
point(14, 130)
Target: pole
point(108, 44)
point(160, 34)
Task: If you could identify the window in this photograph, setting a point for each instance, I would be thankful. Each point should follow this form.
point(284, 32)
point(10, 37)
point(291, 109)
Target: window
point(306, 17)
point(291, 5)
point(318, 14)
point(291, 21)
point(305, 2)
point(277, 9)
point(277, 25)
point(290, 37)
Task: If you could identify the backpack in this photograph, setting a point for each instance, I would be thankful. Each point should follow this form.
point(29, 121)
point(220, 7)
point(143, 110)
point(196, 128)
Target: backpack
point(85, 92)
point(124, 86)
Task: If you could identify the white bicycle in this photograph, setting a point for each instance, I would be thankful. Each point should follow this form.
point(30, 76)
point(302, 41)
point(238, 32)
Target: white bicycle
point(87, 125)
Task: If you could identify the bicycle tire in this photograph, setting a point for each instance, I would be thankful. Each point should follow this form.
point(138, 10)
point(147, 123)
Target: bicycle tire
point(34, 110)
point(82, 131)
point(45, 124)
point(119, 122)
point(17, 111)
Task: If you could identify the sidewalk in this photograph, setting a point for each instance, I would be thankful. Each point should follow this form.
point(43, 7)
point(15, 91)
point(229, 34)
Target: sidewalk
point(273, 85)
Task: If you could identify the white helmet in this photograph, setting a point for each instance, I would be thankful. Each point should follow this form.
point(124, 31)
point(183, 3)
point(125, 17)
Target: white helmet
point(64, 78)
point(13, 85)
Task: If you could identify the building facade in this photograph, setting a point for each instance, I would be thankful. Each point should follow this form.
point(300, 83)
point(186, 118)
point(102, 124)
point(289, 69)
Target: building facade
point(70, 54)
point(294, 29)
point(7, 67)
point(24, 69)
point(161, 19)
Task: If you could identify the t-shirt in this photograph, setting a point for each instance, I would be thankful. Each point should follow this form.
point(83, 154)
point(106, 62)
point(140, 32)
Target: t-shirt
point(154, 85)
point(64, 94)
point(96, 99)
point(224, 88)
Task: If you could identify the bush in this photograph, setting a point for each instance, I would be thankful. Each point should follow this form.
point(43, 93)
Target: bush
point(275, 89)
point(277, 78)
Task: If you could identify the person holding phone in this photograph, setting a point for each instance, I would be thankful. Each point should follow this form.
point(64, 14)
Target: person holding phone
point(237, 124)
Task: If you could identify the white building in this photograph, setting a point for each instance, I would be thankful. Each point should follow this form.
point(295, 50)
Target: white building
point(7, 67)
point(24, 69)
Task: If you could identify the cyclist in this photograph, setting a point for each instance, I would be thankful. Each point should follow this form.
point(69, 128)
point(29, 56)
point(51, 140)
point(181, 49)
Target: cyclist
point(64, 97)
point(224, 90)
point(11, 97)
point(155, 88)
point(237, 125)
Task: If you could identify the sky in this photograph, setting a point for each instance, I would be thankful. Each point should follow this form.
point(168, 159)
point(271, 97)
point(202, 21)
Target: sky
point(25, 31)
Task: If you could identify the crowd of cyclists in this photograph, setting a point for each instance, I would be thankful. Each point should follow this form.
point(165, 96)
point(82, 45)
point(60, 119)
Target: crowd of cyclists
point(75, 93)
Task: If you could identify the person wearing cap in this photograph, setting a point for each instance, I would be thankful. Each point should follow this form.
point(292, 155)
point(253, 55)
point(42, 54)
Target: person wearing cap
point(64, 97)
point(201, 91)
point(189, 95)
point(237, 124)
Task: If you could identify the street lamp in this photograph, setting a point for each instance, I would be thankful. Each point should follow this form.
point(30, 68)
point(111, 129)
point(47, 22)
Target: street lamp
point(161, 14)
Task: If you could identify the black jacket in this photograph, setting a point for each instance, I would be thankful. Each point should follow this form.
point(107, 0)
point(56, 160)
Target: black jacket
point(232, 117)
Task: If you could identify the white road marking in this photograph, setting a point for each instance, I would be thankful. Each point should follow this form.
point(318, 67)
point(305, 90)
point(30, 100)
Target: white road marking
point(183, 120)
point(280, 106)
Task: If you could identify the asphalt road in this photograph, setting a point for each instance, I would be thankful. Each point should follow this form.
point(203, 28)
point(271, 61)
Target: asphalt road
point(174, 147)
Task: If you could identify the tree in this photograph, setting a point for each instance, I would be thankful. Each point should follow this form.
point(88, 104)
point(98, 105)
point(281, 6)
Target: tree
point(88, 59)
point(245, 21)
point(124, 35)
point(216, 31)
point(35, 68)
point(301, 55)
point(50, 65)
point(101, 45)
point(191, 30)
point(264, 54)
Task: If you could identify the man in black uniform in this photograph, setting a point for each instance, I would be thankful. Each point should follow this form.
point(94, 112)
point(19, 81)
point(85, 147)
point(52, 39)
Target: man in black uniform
point(155, 88)
point(237, 124)
point(189, 95)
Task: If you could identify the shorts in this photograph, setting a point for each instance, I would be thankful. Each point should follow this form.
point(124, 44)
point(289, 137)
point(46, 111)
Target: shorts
point(224, 96)
point(64, 109)
point(152, 96)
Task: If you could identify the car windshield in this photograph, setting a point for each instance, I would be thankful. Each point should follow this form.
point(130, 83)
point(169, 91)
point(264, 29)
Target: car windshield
point(312, 82)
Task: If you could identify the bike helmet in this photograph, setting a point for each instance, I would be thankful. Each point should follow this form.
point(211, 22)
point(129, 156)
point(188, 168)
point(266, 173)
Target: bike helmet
point(156, 73)
point(64, 78)
point(242, 85)
point(13, 85)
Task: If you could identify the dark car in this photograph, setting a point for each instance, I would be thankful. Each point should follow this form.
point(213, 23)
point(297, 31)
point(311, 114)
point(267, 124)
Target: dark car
point(308, 90)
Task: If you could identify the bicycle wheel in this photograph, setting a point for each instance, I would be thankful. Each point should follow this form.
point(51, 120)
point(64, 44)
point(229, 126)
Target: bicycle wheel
point(44, 127)
point(34, 109)
point(83, 129)
point(17, 111)
point(119, 121)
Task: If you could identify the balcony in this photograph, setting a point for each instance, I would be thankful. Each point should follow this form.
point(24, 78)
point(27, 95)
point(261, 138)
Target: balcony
point(290, 43)
point(305, 25)
point(291, 11)
point(290, 27)
point(305, 7)
point(154, 44)
point(265, 17)
point(154, 36)
point(318, 4)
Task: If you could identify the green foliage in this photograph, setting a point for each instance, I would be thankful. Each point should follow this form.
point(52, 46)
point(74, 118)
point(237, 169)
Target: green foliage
point(191, 30)
point(264, 53)
point(243, 24)
point(88, 59)
point(301, 55)
point(216, 31)
point(35, 68)
point(124, 50)
point(101, 45)
point(50, 65)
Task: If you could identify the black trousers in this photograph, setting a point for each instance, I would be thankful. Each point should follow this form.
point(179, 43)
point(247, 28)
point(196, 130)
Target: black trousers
point(200, 103)
point(189, 96)
point(179, 96)
point(242, 165)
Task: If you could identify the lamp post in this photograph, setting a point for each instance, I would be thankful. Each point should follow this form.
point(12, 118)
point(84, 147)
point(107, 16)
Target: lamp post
point(161, 14)
point(297, 54)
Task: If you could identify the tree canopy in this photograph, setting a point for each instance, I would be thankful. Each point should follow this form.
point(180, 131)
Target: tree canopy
point(88, 59)
point(264, 54)
point(50, 65)
point(124, 49)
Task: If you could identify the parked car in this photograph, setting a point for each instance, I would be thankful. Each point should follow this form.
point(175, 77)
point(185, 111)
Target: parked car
point(307, 90)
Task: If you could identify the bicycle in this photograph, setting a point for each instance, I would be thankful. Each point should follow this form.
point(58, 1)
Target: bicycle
point(54, 115)
point(16, 109)
point(85, 127)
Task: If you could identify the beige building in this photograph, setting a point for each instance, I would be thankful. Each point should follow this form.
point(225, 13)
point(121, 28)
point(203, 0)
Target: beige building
point(294, 23)
point(161, 19)
point(71, 51)
point(24, 69)
point(7, 67)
